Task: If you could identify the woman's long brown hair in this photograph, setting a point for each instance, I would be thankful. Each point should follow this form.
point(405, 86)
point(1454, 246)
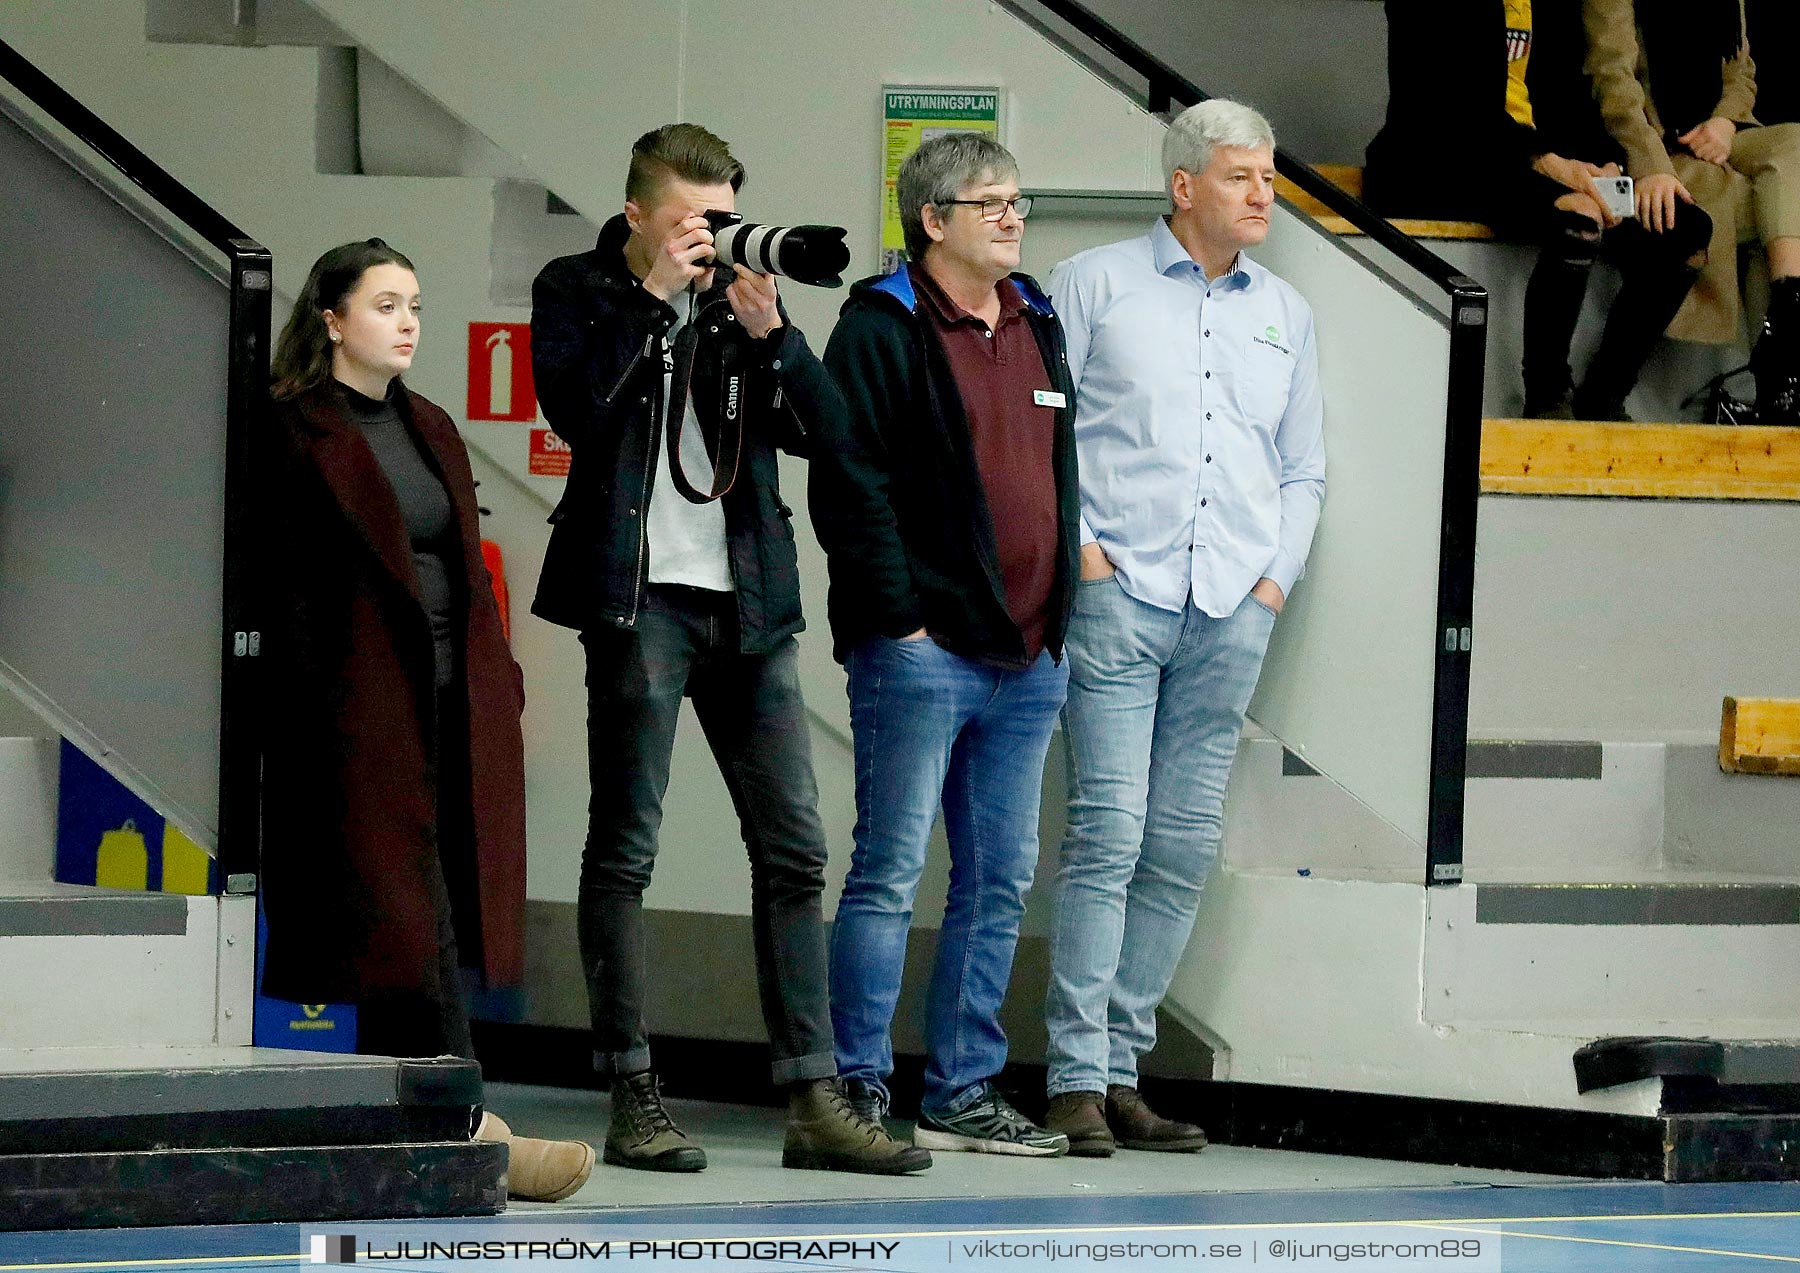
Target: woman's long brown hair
point(302, 358)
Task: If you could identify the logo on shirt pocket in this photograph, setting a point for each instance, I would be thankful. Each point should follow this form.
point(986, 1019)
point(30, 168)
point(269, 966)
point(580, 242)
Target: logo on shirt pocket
point(1271, 337)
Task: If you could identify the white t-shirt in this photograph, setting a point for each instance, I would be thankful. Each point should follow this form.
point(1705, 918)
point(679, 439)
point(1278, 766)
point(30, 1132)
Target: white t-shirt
point(687, 541)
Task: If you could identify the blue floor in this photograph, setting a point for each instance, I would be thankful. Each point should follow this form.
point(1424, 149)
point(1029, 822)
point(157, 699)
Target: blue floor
point(1645, 1228)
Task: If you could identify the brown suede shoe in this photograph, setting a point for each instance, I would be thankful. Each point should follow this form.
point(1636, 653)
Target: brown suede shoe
point(538, 1170)
point(1137, 1126)
point(1078, 1116)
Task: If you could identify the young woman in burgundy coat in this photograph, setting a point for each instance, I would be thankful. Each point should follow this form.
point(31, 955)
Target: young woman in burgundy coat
point(394, 773)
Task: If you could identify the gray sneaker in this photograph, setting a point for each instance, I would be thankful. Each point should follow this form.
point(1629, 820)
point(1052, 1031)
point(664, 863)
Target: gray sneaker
point(988, 1125)
point(869, 1101)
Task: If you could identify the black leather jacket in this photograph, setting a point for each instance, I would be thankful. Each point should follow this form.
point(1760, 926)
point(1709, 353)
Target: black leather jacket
point(596, 358)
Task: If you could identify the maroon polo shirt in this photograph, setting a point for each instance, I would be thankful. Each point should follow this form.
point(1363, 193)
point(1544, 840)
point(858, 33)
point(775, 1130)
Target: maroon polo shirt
point(997, 373)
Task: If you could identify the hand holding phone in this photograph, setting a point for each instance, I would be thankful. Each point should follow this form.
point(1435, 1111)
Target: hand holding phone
point(1617, 195)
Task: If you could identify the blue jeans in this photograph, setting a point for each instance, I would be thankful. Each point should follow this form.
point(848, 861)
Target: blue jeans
point(931, 727)
point(1156, 704)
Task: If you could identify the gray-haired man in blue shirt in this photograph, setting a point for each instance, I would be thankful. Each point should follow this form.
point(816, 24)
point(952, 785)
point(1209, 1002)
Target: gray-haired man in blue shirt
point(1198, 428)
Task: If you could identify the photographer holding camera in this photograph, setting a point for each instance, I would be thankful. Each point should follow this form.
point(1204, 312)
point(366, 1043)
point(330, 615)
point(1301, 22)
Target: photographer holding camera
point(677, 594)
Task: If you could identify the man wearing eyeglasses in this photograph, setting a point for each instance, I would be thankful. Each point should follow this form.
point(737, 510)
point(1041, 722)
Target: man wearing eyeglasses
point(1202, 474)
point(946, 500)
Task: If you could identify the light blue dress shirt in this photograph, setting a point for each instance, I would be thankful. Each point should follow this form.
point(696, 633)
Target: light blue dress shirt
point(1198, 420)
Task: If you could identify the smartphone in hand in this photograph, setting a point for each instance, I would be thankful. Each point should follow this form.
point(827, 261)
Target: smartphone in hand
point(1617, 194)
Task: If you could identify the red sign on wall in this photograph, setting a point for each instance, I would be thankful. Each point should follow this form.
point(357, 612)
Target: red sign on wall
point(549, 455)
point(500, 385)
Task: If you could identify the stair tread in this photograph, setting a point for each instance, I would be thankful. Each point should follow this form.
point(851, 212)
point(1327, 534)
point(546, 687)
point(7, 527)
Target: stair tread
point(77, 1083)
point(54, 890)
point(1725, 905)
point(1698, 883)
point(40, 908)
point(211, 1057)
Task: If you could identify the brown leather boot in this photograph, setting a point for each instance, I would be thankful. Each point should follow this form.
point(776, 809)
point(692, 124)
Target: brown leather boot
point(827, 1132)
point(538, 1170)
point(1078, 1116)
point(1137, 1126)
point(642, 1134)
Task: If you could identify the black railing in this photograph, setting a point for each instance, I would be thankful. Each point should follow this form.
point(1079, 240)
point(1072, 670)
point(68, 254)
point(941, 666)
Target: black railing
point(1164, 90)
point(240, 761)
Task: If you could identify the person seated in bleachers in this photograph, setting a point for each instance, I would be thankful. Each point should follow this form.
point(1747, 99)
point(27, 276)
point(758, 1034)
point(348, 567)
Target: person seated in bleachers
point(1774, 30)
point(1693, 140)
point(1489, 119)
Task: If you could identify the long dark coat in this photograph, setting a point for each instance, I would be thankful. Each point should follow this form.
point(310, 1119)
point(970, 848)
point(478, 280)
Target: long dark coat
point(350, 823)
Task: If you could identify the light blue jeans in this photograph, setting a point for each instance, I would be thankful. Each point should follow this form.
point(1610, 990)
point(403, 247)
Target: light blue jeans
point(931, 727)
point(1156, 704)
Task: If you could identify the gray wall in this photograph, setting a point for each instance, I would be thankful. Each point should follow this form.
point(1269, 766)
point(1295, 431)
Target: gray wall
point(1629, 620)
point(1316, 68)
point(112, 436)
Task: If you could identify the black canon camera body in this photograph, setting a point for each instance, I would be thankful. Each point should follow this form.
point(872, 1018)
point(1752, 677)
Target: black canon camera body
point(815, 254)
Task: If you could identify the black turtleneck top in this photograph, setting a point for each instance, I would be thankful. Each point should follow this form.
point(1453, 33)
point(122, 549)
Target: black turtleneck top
point(424, 507)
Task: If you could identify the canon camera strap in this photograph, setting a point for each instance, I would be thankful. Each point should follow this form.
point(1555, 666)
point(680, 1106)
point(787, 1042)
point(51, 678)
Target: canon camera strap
point(730, 416)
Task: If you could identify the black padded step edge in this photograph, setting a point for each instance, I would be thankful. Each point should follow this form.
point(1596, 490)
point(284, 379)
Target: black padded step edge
point(1681, 1095)
point(1612, 1062)
point(1731, 1147)
point(325, 1084)
point(230, 1186)
point(238, 1129)
point(1724, 1146)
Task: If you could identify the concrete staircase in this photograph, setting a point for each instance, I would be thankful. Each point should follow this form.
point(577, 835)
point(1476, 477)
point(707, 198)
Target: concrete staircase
point(129, 1094)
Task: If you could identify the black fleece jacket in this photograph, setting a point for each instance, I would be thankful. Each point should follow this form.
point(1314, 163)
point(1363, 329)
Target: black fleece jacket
point(896, 495)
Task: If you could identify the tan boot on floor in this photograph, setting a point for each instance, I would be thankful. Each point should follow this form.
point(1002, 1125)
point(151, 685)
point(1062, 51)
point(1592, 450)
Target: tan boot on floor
point(538, 1170)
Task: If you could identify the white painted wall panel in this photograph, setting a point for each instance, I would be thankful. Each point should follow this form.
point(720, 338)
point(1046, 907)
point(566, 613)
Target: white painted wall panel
point(101, 991)
point(1349, 677)
point(1608, 979)
point(28, 785)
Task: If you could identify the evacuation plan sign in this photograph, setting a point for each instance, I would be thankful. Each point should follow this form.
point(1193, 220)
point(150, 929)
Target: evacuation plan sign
point(910, 116)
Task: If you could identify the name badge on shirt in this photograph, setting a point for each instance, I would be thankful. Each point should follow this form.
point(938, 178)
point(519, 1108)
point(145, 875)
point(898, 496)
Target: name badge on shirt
point(1046, 398)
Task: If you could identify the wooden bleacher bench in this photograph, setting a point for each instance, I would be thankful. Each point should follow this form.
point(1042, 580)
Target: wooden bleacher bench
point(1760, 736)
point(1591, 457)
point(1350, 180)
point(1654, 461)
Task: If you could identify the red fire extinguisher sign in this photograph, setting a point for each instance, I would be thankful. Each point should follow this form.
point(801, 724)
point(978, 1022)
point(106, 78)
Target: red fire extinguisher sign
point(500, 385)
